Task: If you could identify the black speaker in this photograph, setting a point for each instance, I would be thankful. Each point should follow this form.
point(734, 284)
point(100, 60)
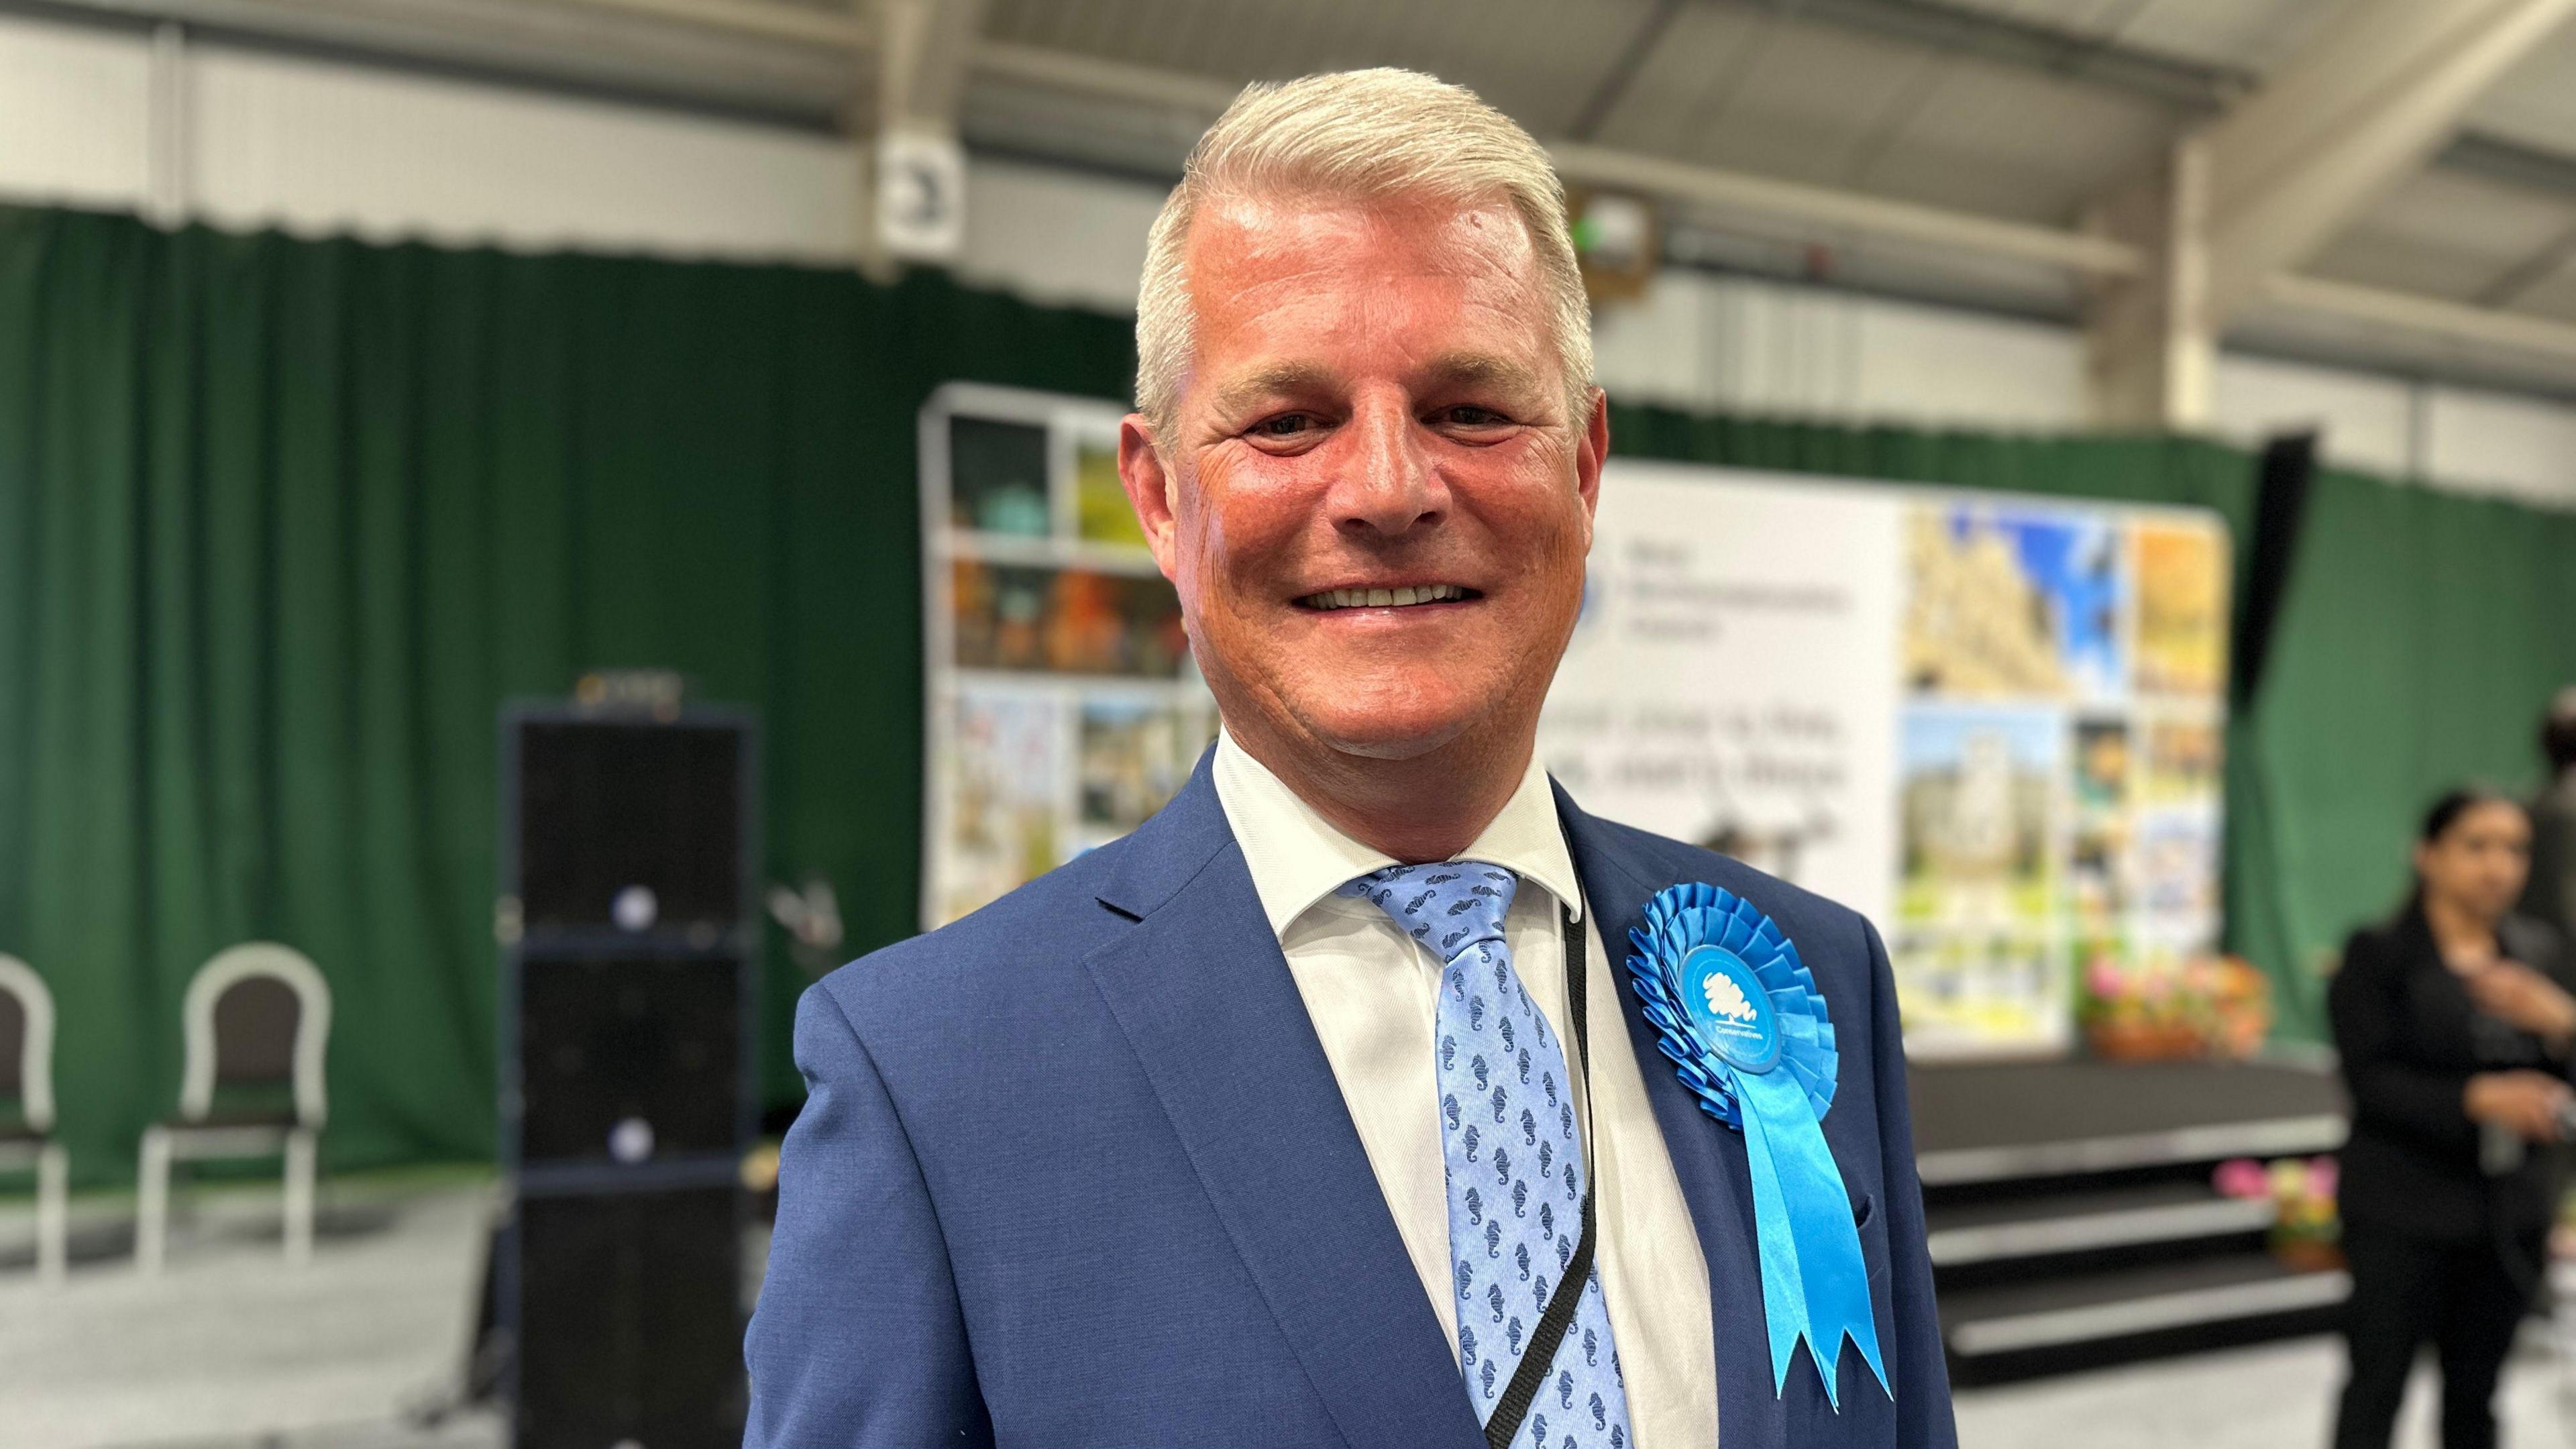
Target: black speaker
point(630, 824)
point(626, 1059)
point(628, 1328)
point(628, 1073)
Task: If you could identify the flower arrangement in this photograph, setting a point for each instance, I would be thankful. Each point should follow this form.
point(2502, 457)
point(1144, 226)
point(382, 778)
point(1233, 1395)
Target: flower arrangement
point(2305, 1226)
point(2203, 1006)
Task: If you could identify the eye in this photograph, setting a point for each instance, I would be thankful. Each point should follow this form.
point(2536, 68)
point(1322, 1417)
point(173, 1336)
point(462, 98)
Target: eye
point(1469, 415)
point(1285, 425)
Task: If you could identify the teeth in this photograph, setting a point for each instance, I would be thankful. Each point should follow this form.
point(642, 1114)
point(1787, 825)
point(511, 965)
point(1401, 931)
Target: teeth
point(1383, 598)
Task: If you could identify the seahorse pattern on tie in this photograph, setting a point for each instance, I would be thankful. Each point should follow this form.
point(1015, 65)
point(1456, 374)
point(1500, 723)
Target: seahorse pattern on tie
point(1513, 1155)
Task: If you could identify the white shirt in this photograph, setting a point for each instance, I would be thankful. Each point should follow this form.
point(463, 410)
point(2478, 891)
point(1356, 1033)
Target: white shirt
point(1373, 993)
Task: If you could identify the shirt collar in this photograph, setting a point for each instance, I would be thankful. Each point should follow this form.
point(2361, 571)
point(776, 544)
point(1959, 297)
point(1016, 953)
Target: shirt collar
point(1297, 857)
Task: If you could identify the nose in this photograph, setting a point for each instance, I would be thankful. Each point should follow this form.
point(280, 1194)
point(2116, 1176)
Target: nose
point(1386, 484)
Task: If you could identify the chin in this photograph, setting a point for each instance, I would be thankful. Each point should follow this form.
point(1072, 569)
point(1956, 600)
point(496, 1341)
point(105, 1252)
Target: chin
point(1391, 725)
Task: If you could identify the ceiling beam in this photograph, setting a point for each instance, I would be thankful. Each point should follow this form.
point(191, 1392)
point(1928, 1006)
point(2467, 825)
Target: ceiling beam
point(764, 18)
point(923, 48)
point(2480, 327)
point(1853, 211)
point(2359, 111)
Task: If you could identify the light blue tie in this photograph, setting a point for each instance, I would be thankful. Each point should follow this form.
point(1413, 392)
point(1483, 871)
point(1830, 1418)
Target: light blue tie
point(1513, 1155)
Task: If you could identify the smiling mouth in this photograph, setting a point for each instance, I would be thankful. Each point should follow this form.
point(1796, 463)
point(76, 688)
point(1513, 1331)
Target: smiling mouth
point(1403, 598)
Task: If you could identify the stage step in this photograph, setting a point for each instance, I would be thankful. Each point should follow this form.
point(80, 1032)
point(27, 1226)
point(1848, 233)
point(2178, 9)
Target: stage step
point(2071, 1218)
point(2076, 1321)
point(1979, 1233)
point(2008, 1122)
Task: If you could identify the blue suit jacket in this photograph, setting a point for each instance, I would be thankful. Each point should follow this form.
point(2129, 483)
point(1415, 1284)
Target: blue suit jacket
point(1074, 1171)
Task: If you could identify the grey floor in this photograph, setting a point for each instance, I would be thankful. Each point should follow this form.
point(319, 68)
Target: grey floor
point(230, 1350)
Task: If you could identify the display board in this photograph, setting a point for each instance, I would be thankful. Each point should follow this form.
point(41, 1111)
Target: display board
point(1990, 723)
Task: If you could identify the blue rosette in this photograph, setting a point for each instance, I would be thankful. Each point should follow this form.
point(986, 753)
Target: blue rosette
point(1684, 917)
point(1744, 1024)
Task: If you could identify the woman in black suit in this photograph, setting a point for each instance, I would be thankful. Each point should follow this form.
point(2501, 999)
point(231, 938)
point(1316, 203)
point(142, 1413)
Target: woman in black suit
point(2456, 1034)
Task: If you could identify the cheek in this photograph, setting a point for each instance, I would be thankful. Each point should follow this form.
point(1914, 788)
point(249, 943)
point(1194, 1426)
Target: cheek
point(1552, 539)
point(1247, 531)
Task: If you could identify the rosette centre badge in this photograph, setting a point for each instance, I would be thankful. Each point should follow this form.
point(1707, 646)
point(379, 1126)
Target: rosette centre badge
point(1731, 1010)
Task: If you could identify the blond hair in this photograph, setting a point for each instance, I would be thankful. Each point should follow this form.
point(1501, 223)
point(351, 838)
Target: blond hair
point(1361, 135)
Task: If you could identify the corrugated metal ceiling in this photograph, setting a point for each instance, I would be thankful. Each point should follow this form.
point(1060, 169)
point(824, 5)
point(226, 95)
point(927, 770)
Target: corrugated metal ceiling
point(2022, 109)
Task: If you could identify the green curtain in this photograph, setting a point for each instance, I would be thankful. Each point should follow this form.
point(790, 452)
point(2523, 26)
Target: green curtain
point(282, 523)
point(2418, 647)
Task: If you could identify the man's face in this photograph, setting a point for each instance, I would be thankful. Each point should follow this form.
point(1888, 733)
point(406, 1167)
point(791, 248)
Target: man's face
point(1375, 413)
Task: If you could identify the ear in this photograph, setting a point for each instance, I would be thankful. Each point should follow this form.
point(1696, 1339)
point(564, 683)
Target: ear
point(1591, 450)
point(1152, 490)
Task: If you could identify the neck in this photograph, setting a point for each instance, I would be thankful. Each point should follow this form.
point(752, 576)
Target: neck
point(1426, 808)
point(2457, 927)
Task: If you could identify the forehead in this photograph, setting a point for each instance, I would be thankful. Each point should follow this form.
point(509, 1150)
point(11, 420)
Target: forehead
point(2488, 819)
point(1298, 271)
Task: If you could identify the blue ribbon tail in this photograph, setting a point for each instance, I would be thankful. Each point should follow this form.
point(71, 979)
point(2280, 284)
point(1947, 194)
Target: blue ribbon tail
point(1814, 1282)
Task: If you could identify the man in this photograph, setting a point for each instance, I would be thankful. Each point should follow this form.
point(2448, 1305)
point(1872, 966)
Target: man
point(1178, 1144)
point(2550, 894)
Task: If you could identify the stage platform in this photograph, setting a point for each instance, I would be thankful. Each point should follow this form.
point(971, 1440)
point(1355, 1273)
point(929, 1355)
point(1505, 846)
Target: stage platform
point(1986, 1121)
point(2071, 1218)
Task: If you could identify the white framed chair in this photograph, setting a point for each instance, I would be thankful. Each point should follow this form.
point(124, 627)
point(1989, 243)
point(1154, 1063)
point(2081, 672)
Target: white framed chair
point(27, 1128)
point(257, 1015)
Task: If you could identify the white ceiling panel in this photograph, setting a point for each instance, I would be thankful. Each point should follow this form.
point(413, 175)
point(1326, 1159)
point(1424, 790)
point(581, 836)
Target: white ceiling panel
point(2553, 295)
point(2039, 148)
point(1763, 93)
point(1539, 60)
point(2233, 34)
point(2256, 35)
point(2376, 259)
point(2448, 235)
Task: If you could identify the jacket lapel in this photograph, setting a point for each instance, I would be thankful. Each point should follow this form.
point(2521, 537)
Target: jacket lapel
point(1205, 999)
point(1618, 880)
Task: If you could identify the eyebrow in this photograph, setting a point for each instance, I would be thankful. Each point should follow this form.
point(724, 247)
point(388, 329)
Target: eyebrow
point(1278, 379)
point(1482, 369)
point(1273, 380)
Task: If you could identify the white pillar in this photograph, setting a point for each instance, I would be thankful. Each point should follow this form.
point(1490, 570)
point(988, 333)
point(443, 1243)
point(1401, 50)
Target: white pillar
point(2151, 340)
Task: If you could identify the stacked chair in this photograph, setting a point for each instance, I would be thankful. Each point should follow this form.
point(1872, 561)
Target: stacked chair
point(258, 1017)
point(27, 1106)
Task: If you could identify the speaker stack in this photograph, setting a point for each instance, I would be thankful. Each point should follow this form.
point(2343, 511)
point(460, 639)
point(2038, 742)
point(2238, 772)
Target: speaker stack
point(627, 1065)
